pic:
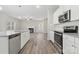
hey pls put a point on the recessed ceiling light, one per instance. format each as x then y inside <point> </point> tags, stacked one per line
<point>37,6</point>
<point>0,8</point>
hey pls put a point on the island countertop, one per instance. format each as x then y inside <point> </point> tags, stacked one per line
<point>5,34</point>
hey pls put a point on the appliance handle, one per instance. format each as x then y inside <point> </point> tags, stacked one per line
<point>58,34</point>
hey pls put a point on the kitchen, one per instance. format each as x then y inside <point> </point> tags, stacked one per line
<point>59,22</point>
<point>16,26</point>
<point>68,28</point>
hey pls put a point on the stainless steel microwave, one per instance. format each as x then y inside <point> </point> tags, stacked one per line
<point>65,17</point>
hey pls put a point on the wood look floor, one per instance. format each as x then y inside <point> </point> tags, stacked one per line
<point>38,44</point>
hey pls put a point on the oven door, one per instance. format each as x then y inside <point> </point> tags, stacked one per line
<point>58,38</point>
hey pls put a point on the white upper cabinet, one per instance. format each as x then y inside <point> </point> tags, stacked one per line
<point>74,12</point>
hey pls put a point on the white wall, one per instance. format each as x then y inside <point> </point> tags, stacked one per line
<point>3,18</point>
<point>28,24</point>
<point>38,25</point>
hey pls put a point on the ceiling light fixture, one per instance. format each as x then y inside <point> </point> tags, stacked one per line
<point>37,6</point>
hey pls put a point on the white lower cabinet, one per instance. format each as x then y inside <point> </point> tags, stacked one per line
<point>24,38</point>
<point>76,45</point>
<point>70,44</point>
<point>52,36</point>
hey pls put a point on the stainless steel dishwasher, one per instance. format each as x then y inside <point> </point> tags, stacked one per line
<point>14,43</point>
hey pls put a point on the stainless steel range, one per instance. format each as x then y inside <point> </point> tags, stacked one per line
<point>70,29</point>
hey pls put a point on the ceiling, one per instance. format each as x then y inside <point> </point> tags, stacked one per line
<point>25,11</point>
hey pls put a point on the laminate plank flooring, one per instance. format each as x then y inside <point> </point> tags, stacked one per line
<point>38,44</point>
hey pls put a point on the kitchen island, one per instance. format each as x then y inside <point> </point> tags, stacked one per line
<point>11,42</point>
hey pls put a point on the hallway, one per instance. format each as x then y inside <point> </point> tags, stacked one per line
<point>38,44</point>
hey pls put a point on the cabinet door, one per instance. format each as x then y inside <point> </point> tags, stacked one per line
<point>24,38</point>
<point>51,36</point>
<point>27,36</point>
<point>77,45</point>
<point>68,44</point>
<point>74,11</point>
